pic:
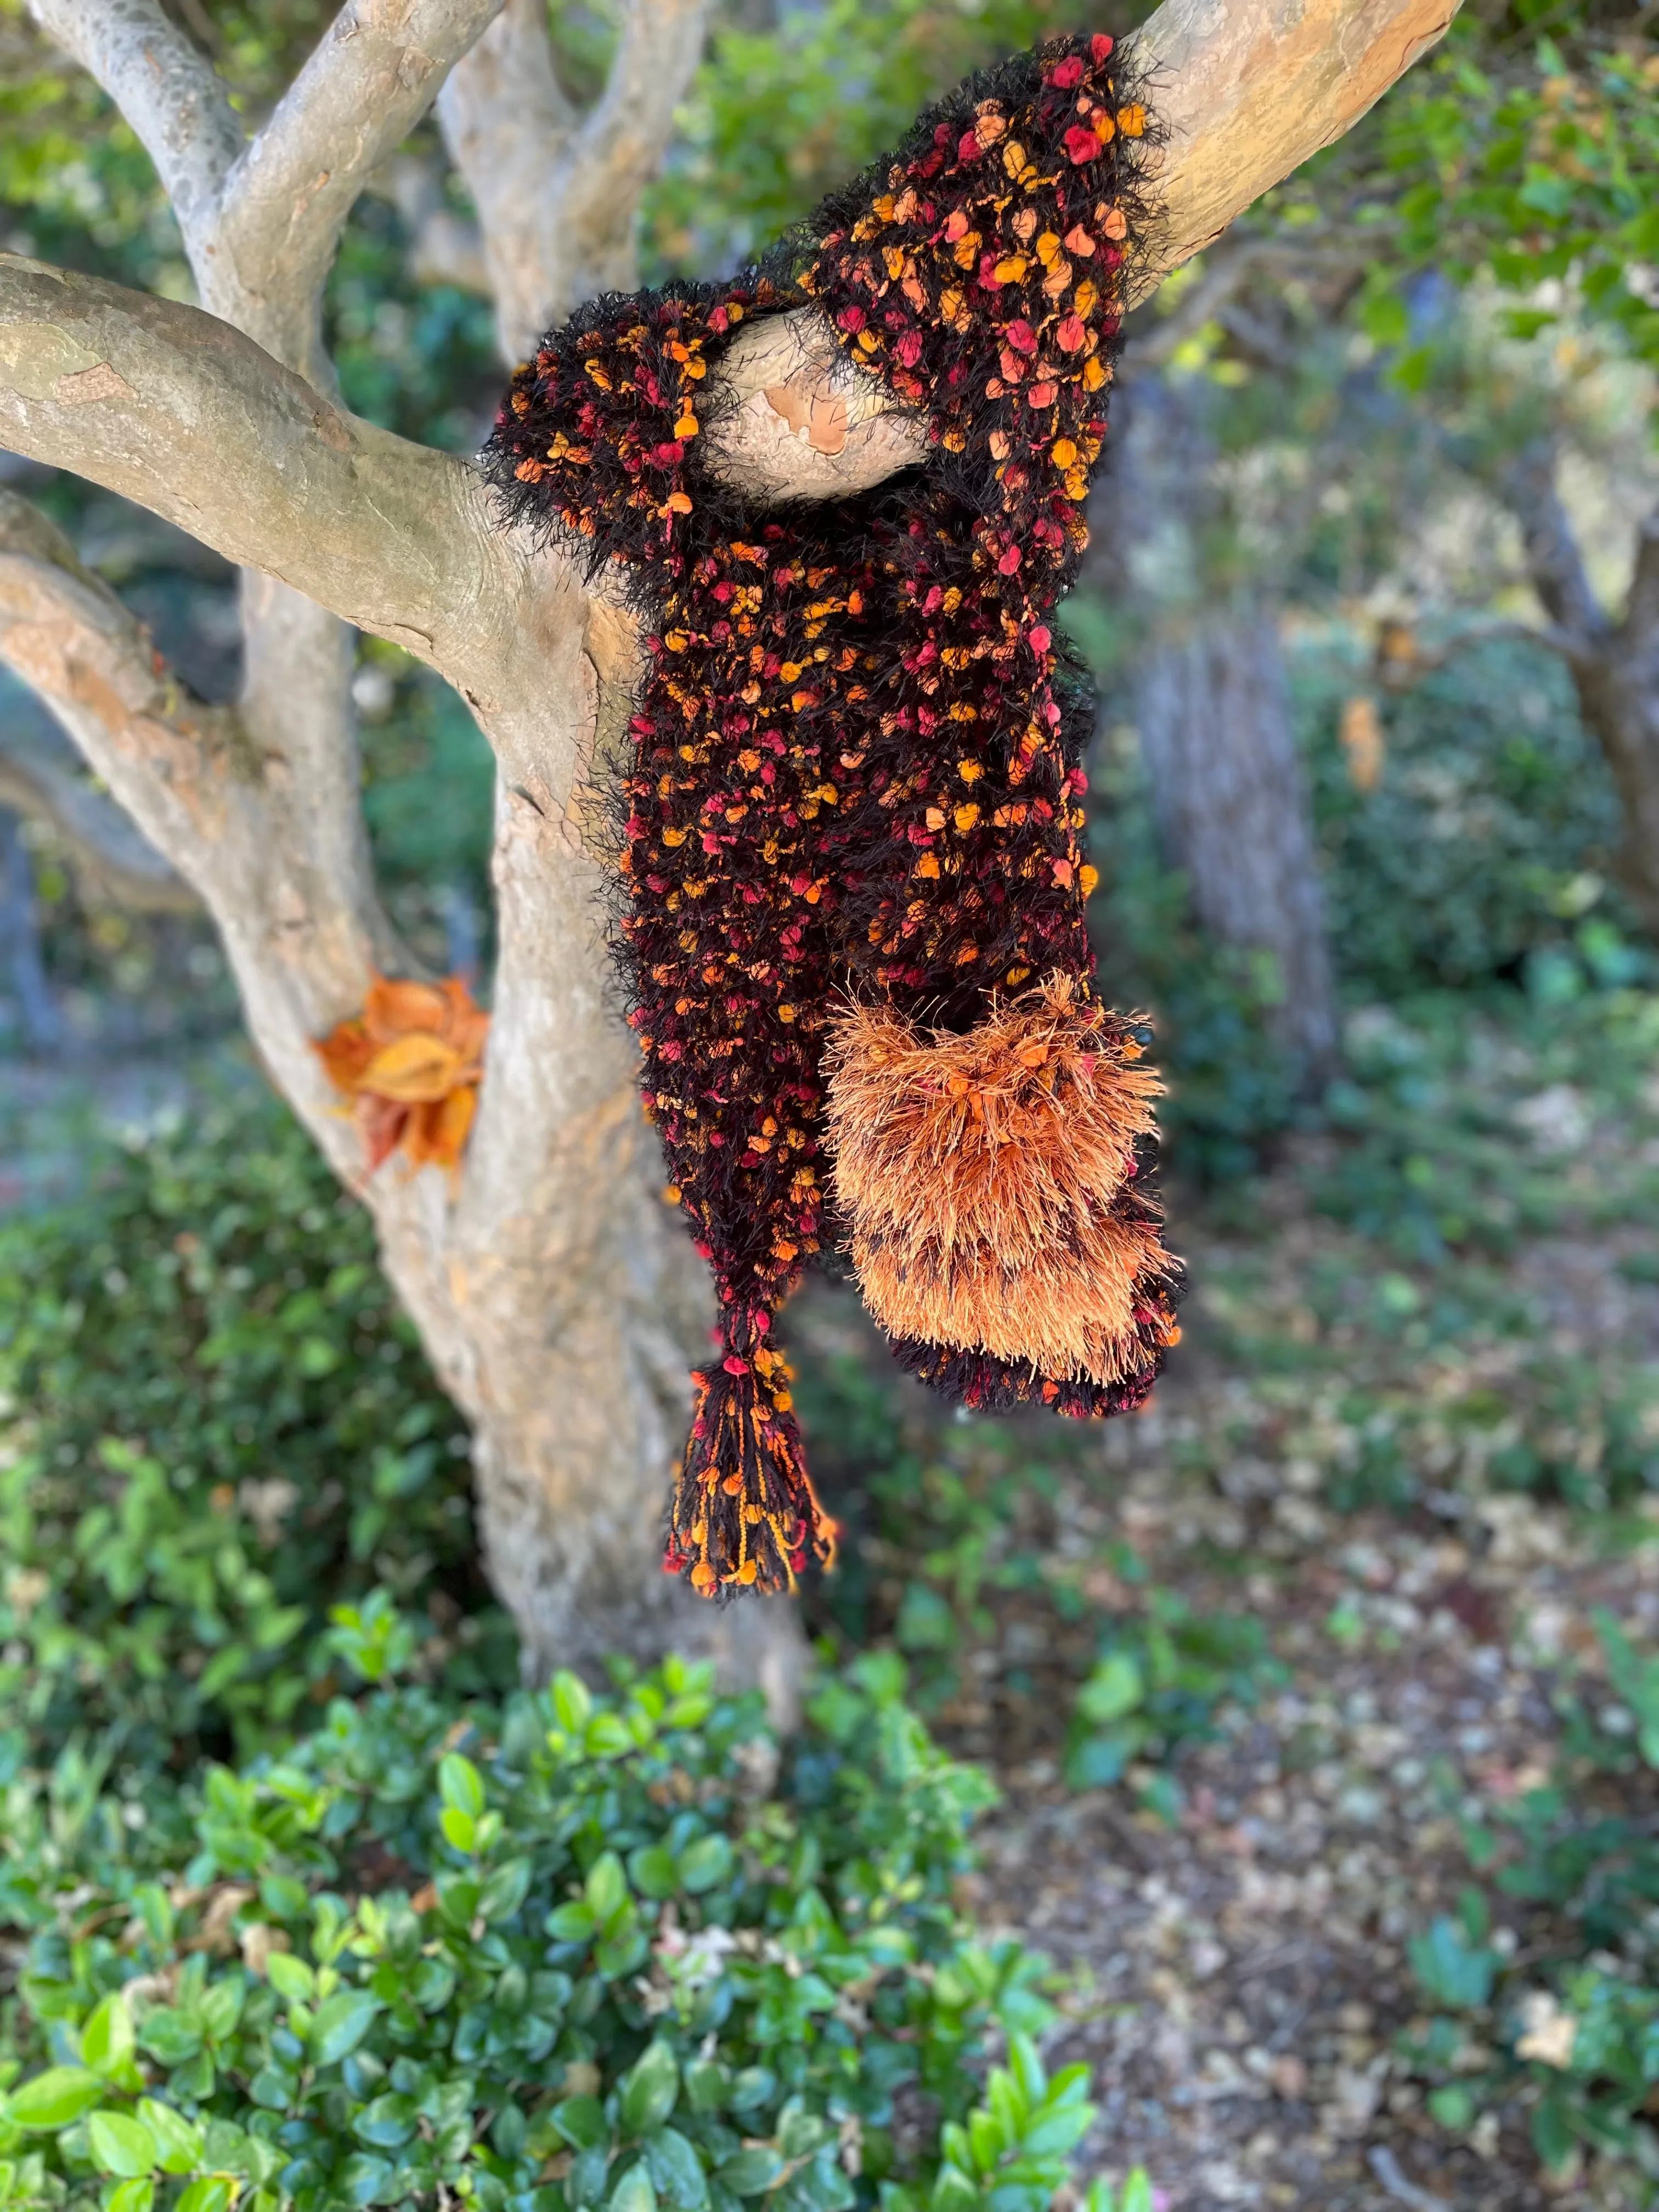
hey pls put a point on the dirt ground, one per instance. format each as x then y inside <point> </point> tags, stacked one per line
<point>1241,1978</point>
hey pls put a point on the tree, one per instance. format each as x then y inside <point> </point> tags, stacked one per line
<point>1525,157</point>
<point>547,1281</point>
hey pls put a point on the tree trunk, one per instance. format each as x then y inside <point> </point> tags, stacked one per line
<point>1615,662</point>
<point>1618,699</point>
<point>1232,812</point>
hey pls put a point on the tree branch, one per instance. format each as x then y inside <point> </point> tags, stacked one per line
<point>1244,91</point>
<point>115,863</point>
<point>620,146</point>
<point>508,125</point>
<point>1641,607</point>
<point>1555,565</point>
<point>181,413</point>
<point>165,89</point>
<point>168,758</point>
<point>368,81</point>
<point>556,194</point>
<point>1248,90</point>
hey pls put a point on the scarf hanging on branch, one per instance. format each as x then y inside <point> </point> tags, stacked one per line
<point>850,836</point>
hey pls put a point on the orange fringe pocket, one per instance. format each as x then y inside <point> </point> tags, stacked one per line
<point>988,1180</point>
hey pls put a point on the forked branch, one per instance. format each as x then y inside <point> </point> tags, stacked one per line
<point>557,194</point>
<point>113,862</point>
<point>372,76</point>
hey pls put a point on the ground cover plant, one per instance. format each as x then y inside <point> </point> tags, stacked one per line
<point>571,1951</point>
<point>217,1425</point>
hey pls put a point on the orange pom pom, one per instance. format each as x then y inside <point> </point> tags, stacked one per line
<point>984,1179</point>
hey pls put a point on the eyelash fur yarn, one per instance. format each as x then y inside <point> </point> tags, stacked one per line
<point>852,925</point>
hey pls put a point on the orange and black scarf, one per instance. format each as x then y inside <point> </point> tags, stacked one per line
<point>852,834</point>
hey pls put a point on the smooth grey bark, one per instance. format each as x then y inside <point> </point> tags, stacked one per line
<point>551,1288</point>
<point>1231,800</point>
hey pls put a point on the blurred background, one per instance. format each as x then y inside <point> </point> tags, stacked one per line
<point>1346,1636</point>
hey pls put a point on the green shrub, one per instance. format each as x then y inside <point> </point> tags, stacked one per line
<point>215,1425</point>
<point>1160,1678</point>
<point>574,1952</point>
<point>1489,835</point>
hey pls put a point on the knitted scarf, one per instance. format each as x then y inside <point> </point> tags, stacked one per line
<point>850,831</point>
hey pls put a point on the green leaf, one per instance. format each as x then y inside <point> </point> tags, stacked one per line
<point>708,2085</point>
<point>634,2192</point>
<point>55,2098</point>
<point>1453,2106</point>
<point>212,2193</point>
<point>177,2141</point>
<point>342,2022</point>
<point>606,1887</point>
<point>1114,1688</point>
<point>365,2179</point>
<point>460,1785</point>
<point>570,1923</point>
<point>573,1702</point>
<point>387,2123</point>
<point>1553,2135</point>
<point>750,2172</point>
<point>606,1736</point>
<point>505,1888</point>
<point>107,2040</point>
<point>120,2145</point>
<point>582,2122</point>
<point>704,1864</point>
<point>291,1978</point>
<point>460,1828</point>
<point>677,2171</point>
<point>222,2008</point>
<point>650,2090</point>
<point>652,1870</point>
<point>169,2036</point>
<point>130,2197</point>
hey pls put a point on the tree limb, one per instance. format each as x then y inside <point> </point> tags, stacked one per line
<point>114,862</point>
<point>369,80</point>
<point>1247,90</point>
<point>1555,565</point>
<point>557,194</point>
<point>1244,92</point>
<point>177,411</point>
<point>1641,608</point>
<point>168,758</point>
<point>165,89</point>
<point>620,146</point>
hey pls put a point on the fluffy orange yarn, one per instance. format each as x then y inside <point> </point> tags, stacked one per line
<point>986,1180</point>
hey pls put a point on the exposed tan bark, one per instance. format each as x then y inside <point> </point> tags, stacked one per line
<point>1246,90</point>
<point>551,1292</point>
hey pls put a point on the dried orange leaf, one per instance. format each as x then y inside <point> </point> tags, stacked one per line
<point>413,1069</point>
